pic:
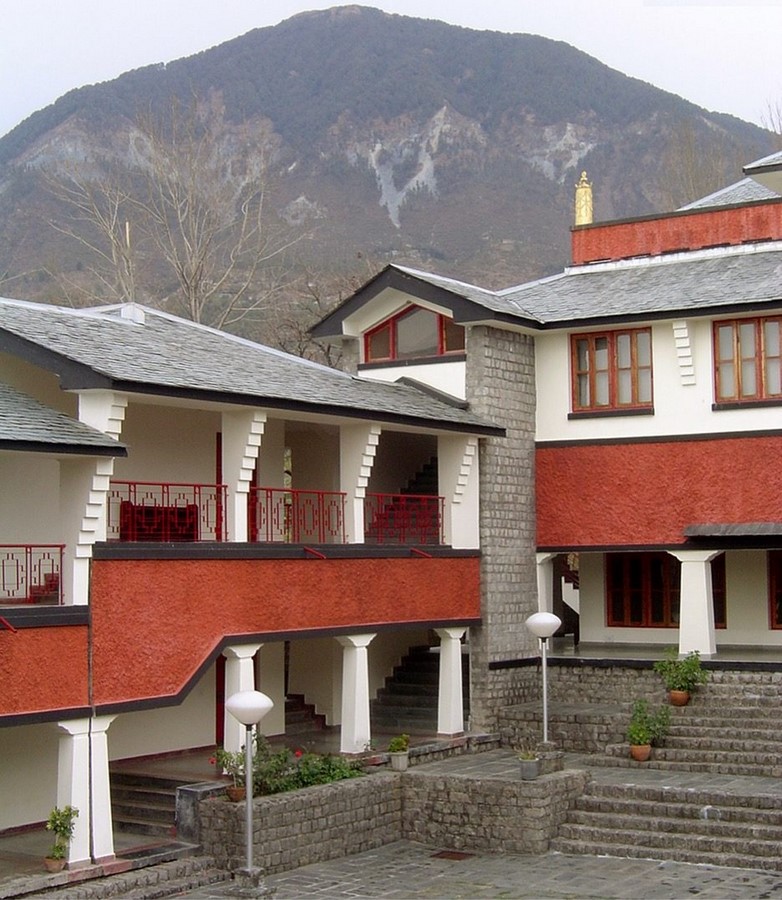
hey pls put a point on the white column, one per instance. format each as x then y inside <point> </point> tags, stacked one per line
<point>355,733</point>
<point>696,609</point>
<point>102,824</point>
<point>450,697</point>
<point>358,446</point>
<point>458,477</point>
<point>239,676</point>
<point>545,573</point>
<point>242,433</point>
<point>73,785</point>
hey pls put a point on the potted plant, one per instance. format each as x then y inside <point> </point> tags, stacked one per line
<point>61,821</point>
<point>529,762</point>
<point>398,750</point>
<point>232,763</point>
<point>681,675</point>
<point>646,728</point>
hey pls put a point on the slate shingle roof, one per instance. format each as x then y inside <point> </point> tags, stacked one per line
<point>658,286</point>
<point>24,422</point>
<point>655,286</point>
<point>745,191</point>
<point>171,355</point>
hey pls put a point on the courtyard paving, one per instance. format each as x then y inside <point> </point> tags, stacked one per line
<point>408,870</point>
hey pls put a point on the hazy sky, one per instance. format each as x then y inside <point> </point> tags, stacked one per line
<point>722,55</point>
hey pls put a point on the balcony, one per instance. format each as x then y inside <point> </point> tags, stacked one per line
<point>403,519</point>
<point>284,515</point>
<point>160,512</point>
<point>31,574</point>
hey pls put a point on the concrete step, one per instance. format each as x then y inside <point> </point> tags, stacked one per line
<point>132,808</point>
<point>685,823</point>
<point>755,731</point>
<point>671,852</point>
<point>660,843</point>
<point>650,809</point>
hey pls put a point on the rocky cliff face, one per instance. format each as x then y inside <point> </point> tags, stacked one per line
<point>384,136</point>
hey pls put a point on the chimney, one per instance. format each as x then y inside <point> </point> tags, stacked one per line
<point>583,201</point>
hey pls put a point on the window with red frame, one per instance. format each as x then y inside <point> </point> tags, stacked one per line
<point>612,370</point>
<point>775,588</point>
<point>643,590</point>
<point>748,359</point>
<point>414,333</point>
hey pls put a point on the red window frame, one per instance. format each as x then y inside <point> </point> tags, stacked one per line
<point>445,325</point>
<point>585,377</point>
<point>751,365</point>
<point>643,590</point>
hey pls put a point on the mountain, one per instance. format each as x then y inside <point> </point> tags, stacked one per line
<point>390,137</point>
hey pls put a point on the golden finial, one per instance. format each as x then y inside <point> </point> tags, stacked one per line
<point>584,201</point>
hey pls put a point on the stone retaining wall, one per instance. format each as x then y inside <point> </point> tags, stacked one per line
<point>336,820</point>
<point>306,826</point>
<point>489,815</point>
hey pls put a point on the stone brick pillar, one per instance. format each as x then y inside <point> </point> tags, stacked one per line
<point>501,387</point>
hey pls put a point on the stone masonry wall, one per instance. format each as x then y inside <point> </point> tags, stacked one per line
<point>306,826</point>
<point>336,820</point>
<point>501,388</point>
<point>488,815</point>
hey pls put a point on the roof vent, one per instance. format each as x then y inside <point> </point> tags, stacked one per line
<point>133,313</point>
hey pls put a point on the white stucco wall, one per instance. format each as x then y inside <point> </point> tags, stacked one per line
<point>168,444</point>
<point>448,377</point>
<point>679,407</point>
<point>191,724</point>
<point>28,775</point>
<point>29,499</point>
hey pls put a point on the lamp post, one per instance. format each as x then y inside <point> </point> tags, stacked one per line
<point>249,707</point>
<point>543,625</point>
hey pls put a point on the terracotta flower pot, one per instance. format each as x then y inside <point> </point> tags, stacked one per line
<point>53,865</point>
<point>235,794</point>
<point>640,752</point>
<point>679,698</point>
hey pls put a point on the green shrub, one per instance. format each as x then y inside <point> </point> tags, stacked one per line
<point>681,674</point>
<point>287,770</point>
<point>647,727</point>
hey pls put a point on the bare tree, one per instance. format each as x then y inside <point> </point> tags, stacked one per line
<point>98,221</point>
<point>771,120</point>
<point>696,164</point>
<point>316,294</point>
<point>194,189</point>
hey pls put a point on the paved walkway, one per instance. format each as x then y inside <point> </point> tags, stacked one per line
<point>407,870</point>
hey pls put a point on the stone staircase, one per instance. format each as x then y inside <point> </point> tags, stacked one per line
<point>300,716</point>
<point>722,732</point>
<point>682,824</point>
<point>144,804</point>
<point>408,702</point>
<point>707,795</point>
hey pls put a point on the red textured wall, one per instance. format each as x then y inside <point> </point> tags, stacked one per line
<point>43,669</point>
<point>626,494</point>
<point>156,621</point>
<point>689,231</point>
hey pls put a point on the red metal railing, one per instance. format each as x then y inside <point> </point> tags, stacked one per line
<point>403,519</point>
<point>152,511</point>
<point>284,515</point>
<point>30,573</point>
